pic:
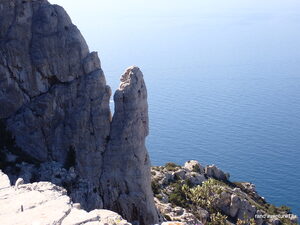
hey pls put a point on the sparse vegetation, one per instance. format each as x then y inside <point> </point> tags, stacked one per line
<point>246,222</point>
<point>205,195</point>
<point>178,196</point>
<point>155,187</point>
<point>196,168</point>
<point>156,168</point>
<point>180,191</point>
<point>217,219</point>
<point>285,208</point>
<point>171,166</point>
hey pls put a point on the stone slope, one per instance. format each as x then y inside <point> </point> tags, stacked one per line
<point>46,204</point>
<point>55,118</point>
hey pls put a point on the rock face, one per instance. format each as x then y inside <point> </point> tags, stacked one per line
<point>55,98</point>
<point>45,203</point>
<point>124,179</point>
<point>55,120</point>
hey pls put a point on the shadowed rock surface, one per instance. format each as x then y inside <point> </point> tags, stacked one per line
<point>55,120</point>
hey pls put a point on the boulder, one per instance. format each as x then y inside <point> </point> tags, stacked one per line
<point>180,214</point>
<point>168,177</point>
<point>246,210</point>
<point>215,172</point>
<point>179,174</point>
<point>4,181</point>
<point>193,165</point>
<point>235,204</point>
<point>196,178</point>
<point>223,202</point>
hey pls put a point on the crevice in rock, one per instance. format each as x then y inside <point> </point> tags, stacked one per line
<point>59,222</point>
<point>53,81</point>
<point>71,158</point>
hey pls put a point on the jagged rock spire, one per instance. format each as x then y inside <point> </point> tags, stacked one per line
<point>126,175</point>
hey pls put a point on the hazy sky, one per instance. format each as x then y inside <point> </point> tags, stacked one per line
<point>170,33</point>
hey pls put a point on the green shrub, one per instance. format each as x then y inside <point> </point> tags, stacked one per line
<point>217,219</point>
<point>155,187</point>
<point>178,197</point>
<point>285,209</point>
<point>196,168</point>
<point>287,221</point>
<point>171,166</point>
<point>206,195</point>
<point>156,168</point>
<point>159,196</point>
<point>272,210</point>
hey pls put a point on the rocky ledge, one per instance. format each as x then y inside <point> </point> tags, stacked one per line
<point>44,203</point>
<point>193,194</point>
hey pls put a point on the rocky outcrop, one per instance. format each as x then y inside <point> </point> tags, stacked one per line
<point>45,203</point>
<point>126,171</point>
<point>55,118</point>
<point>215,172</point>
<point>193,165</point>
<point>193,194</point>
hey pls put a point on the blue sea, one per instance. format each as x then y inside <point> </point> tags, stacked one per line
<point>223,81</point>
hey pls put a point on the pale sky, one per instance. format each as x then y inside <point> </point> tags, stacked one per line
<point>169,33</point>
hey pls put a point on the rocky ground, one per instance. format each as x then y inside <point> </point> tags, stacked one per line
<point>193,194</point>
<point>44,203</point>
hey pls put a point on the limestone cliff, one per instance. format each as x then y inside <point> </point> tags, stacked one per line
<point>55,120</point>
